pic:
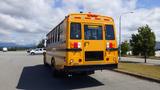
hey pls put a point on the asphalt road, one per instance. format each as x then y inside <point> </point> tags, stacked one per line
<point>141,60</point>
<point>22,71</point>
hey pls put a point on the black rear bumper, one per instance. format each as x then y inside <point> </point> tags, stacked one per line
<point>90,67</point>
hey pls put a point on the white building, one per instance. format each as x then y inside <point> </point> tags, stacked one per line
<point>129,53</point>
<point>157,53</point>
<point>5,49</point>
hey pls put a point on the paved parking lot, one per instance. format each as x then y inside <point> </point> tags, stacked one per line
<point>22,71</point>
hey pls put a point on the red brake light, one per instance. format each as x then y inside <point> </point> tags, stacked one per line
<point>107,59</point>
<point>80,60</point>
<point>75,44</point>
<point>110,45</point>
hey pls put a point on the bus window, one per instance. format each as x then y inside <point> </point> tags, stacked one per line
<point>51,37</point>
<point>58,33</point>
<point>55,35</point>
<point>75,31</point>
<point>93,32</point>
<point>109,34</point>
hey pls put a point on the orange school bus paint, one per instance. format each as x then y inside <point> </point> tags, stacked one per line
<point>82,42</point>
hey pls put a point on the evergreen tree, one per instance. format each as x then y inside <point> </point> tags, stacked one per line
<point>41,44</point>
<point>143,42</point>
<point>124,48</point>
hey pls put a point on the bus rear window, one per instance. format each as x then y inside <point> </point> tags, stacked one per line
<point>75,32</point>
<point>92,32</point>
<point>109,32</point>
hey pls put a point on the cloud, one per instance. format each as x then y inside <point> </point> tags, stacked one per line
<point>142,17</point>
<point>27,17</point>
<point>4,32</point>
<point>28,21</point>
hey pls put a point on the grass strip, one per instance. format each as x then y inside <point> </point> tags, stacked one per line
<point>152,71</point>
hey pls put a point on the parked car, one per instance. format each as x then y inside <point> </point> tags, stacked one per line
<point>37,51</point>
<point>28,50</point>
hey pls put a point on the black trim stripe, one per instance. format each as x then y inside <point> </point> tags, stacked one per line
<point>112,49</point>
<point>74,49</point>
<point>90,67</point>
<point>70,49</point>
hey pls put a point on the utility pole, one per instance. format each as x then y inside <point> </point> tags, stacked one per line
<point>120,34</point>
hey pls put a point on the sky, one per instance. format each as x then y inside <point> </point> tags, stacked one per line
<point>28,21</point>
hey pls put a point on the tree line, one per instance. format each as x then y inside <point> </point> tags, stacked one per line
<point>142,43</point>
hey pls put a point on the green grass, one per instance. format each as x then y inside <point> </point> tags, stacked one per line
<point>151,71</point>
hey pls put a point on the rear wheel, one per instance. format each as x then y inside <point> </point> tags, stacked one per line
<point>56,73</point>
<point>44,59</point>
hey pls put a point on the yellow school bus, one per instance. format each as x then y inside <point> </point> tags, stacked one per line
<point>82,42</point>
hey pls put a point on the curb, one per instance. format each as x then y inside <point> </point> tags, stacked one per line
<point>137,76</point>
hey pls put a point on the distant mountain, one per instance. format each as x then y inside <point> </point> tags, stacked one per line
<point>157,47</point>
<point>10,44</point>
<point>27,46</point>
<point>7,44</point>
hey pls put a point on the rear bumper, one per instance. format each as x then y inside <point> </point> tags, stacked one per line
<point>90,67</point>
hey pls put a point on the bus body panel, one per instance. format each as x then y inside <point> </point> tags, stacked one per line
<point>67,57</point>
<point>57,50</point>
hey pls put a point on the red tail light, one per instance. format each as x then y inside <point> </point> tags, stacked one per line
<point>75,44</point>
<point>107,59</point>
<point>110,45</point>
<point>80,60</point>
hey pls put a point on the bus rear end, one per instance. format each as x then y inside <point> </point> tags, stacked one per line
<point>91,43</point>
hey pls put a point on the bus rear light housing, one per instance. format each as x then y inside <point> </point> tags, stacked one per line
<point>80,60</point>
<point>75,45</point>
<point>71,61</point>
<point>109,45</point>
<point>107,59</point>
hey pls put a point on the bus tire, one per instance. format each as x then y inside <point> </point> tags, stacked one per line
<point>44,59</point>
<point>56,73</point>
